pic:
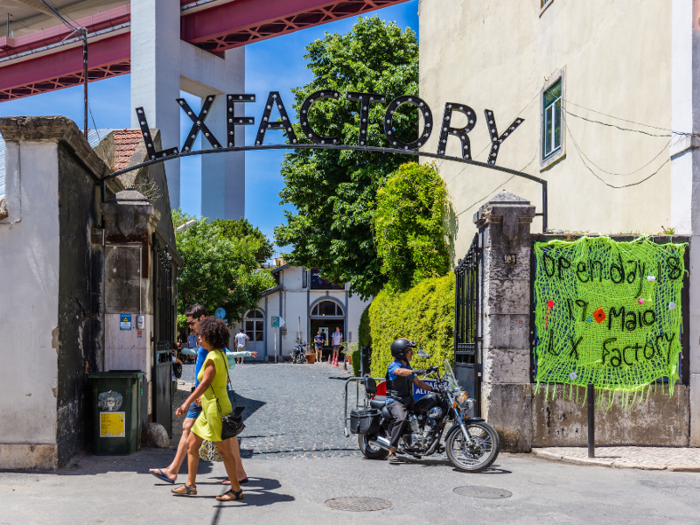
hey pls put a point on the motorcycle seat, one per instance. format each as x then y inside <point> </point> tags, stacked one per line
<point>378,402</point>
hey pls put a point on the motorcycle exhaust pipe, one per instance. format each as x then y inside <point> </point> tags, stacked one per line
<point>380,442</point>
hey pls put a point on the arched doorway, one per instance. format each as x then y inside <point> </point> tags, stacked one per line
<point>325,315</point>
<point>254,326</point>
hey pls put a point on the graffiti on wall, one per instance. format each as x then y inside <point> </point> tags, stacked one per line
<point>608,313</point>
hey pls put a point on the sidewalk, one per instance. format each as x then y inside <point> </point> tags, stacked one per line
<point>645,458</point>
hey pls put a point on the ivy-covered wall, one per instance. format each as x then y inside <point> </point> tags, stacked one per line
<point>425,314</point>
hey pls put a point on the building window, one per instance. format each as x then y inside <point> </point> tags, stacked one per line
<point>327,309</point>
<point>255,325</point>
<point>552,121</point>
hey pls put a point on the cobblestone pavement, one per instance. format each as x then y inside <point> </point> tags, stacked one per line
<point>646,458</point>
<point>291,410</point>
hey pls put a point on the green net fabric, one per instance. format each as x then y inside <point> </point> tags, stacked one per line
<point>608,313</point>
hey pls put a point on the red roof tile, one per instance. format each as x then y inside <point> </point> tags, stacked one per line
<point>125,143</point>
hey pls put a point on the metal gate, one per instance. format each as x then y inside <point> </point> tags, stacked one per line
<point>164,326</point>
<point>467,313</point>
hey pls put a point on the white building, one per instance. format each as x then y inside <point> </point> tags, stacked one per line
<point>308,304</point>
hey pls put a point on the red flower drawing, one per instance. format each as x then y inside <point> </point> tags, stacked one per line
<point>599,315</point>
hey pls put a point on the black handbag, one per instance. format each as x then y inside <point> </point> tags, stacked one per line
<point>232,424</point>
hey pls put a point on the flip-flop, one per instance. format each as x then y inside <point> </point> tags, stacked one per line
<point>163,477</point>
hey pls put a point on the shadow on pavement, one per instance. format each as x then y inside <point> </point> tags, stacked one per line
<point>257,493</point>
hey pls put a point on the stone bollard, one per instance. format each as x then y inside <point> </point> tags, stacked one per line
<point>506,390</point>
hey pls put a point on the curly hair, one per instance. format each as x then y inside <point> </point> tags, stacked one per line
<point>214,331</point>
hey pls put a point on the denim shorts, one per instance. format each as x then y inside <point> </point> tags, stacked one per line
<point>194,411</point>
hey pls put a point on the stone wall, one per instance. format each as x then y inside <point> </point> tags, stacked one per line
<point>523,418</point>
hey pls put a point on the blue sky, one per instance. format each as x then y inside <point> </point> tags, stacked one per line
<point>271,65</point>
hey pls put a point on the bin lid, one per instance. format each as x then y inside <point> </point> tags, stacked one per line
<point>117,374</point>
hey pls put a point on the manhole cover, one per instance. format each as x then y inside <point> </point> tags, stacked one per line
<point>473,491</point>
<point>358,504</point>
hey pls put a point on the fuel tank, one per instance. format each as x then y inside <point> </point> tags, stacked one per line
<point>425,403</point>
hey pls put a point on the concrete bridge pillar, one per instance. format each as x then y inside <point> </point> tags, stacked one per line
<point>162,65</point>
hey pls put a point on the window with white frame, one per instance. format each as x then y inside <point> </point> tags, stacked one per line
<point>552,121</point>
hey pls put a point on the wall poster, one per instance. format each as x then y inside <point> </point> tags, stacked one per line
<point>608,313</point>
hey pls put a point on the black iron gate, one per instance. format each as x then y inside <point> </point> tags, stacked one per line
<point>467,313</point>
<point>164,326</point>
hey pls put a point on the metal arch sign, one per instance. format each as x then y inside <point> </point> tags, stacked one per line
<point>284,124</point>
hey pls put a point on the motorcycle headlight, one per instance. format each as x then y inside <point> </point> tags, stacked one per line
<point>464,401</point>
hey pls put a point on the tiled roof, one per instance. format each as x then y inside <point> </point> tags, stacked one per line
<point>125,143</point>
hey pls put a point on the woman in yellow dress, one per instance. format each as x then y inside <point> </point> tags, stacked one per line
<point>215,404</point>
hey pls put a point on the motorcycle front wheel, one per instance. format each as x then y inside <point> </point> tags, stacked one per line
<point>478,456</point>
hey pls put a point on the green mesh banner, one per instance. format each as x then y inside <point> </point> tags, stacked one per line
<point>608,313</point>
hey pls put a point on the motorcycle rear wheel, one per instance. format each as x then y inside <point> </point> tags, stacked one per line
<point>370,451</point>
<point>478,457</point>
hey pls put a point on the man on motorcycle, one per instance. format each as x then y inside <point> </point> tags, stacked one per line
<point>400,378</point>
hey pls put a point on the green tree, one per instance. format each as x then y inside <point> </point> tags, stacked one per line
<point>218,271</point>
<point>242,229</point>
<point>409,224</point>
<point>334,191</point>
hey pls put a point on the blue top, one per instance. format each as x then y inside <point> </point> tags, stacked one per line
<point>391,374</point>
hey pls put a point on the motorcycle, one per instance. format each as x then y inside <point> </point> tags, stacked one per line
<point>472,445</point>
<point>298,354</point>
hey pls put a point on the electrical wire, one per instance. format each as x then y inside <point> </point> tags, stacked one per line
<point>581,155</point>
<point>93,123</point>
<point>627,120</point>
<point>496,189</point>
<point>625,129</point>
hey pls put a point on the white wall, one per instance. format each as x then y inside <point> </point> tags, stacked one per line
<point>499,54</point>
<point>29,266</point>
<point>293,305</point>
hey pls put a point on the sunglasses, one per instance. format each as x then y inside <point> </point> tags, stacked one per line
<point>190,323</point>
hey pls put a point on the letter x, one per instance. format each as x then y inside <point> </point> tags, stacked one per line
<point>199,124</point>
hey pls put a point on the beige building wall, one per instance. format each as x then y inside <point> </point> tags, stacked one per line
<point>616,60</point>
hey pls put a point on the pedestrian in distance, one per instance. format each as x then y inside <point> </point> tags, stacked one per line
<point>337,338</point>
<point>176,371</point>
<point>212,391</point>
<point>318,343</point>
<point>241,343</point>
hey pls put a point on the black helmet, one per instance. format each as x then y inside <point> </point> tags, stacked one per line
<point>399,347</point>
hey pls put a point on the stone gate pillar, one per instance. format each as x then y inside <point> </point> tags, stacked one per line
<point>506,391</point>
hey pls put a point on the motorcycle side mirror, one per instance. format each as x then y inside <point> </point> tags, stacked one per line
<point>422,353</point>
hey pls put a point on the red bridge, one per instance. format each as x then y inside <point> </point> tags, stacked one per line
<point>45,55</point>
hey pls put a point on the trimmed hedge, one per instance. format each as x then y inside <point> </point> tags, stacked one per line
<point>364,335</point>
<point>425,314</point>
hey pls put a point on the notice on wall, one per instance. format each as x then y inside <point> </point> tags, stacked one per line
<point>112,424</point>
<point>125,321</point>
<point>608,313</point>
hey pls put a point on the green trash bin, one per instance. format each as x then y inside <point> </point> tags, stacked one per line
<point>117,405</point>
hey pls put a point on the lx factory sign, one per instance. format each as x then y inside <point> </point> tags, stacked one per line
<point>365,100</point>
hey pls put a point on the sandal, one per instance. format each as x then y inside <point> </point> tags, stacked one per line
<point>234,496</point>
<point>184,490</point>
<point>163,477</point>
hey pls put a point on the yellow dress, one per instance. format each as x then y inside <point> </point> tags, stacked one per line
<point>208,424</point>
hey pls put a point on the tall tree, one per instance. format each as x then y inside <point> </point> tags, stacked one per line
<point>242,229</point>
<point>334,191</point>
<point>218,271</point>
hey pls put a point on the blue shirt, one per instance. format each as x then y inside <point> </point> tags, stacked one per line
<point>391,374</point>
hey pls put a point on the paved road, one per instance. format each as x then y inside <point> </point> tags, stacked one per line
<point>292,487</point>
<point>291,410</point>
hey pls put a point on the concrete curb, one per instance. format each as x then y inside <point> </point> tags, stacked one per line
<point>600,462</point>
